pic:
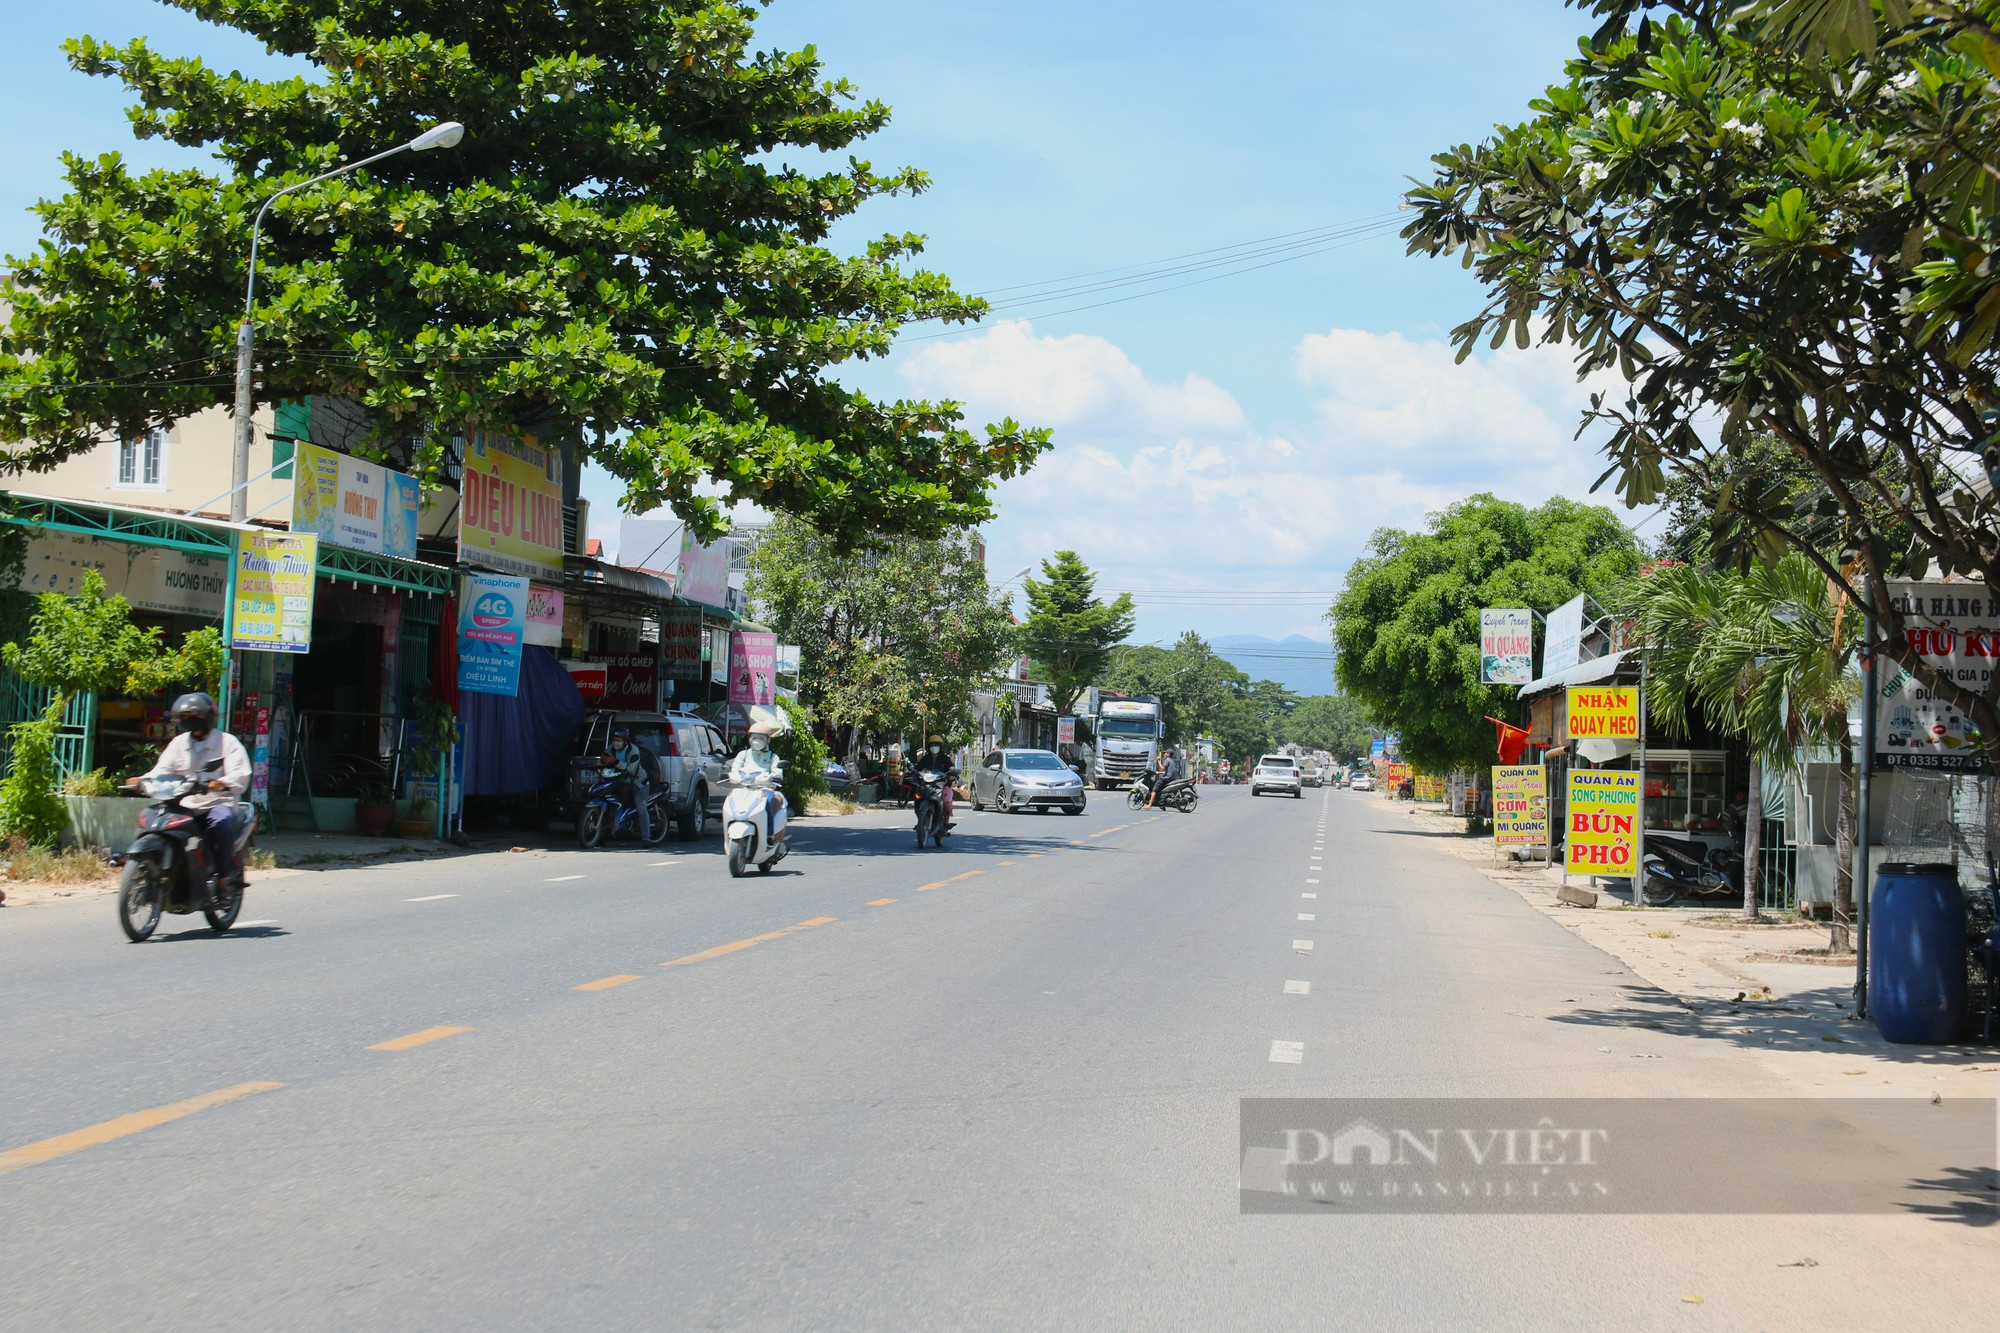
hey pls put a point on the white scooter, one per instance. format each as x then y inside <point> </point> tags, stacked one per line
<point>747,816</point>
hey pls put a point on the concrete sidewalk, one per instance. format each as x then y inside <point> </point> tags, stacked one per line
<point>1747,984</point>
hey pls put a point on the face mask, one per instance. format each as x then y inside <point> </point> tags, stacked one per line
<point>196,728</point>
<point>937,749</point>
<point>759,743</point>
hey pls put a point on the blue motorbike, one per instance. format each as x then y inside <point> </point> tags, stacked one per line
<point>605,815</point>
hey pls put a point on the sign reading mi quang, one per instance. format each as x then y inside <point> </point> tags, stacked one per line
<point>1604,712</point>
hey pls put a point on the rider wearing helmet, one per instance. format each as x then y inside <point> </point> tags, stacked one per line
<point>199,743</point>
<point>635,776</point>
<point>755,764</point>
<point>935,759</point>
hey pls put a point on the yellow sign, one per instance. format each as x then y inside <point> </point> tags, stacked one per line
<point>1520,805</point>
<point>1427,787</point>
<point>1604,712</point>
<point>274,591</point>
<point>1603,829</point>
<point>511,508</point>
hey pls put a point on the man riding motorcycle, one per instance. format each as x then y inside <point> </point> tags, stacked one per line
<point>188,755</point>
<point>635,778</point>
<point>935,760</point>
<point>758,763</point>
<point>1167,770</point>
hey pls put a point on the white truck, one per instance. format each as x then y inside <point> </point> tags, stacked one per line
<point>1129,731</point>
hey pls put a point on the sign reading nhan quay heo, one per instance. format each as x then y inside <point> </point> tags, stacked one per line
<point>274,591</point>
<point>492,621</point>
<point>1604,712</point>
<point>510,508</point>
<point>1603,834</point>
<point>1520,805</point>
<point>1506,646</point>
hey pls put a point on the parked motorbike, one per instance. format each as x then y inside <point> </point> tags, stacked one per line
<point>748,813</point>
<point>604,815</point>
<point>167,867</point>
<point>1679,867</point>
<point>929,786</point>
<point>1180,794</point>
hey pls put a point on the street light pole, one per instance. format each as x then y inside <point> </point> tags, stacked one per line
<point>445,135</point>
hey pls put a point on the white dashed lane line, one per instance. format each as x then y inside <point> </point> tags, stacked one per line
<point>1307,916</point>
<point>1298,988</point>
<point>561,878</point>
<point>1302,946</point>
<point>1288,1052</point>
<point>430,897</point>
<point>1309,895</point>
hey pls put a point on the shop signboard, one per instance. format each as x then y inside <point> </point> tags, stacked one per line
<point>1506,646</point>
<point>1426,787</point>
<point>1066,731</point>
<point>1394,776</point>
<point>492,620</point>
<point>1520,805</point>
<point>1378,749</point>
<point>149,578</point>
<point>703,573</point>
<point>1954,627</point>
<point>260,759</point>
<point>631,680</point>
<point>545,616</point>
<point>1603,827</point>
<point>352,502</point>
<point>680,643</point>
<point>1604,712</point>
<point>753,667</point>
<point>589,678</point>
<point>1562,645</point>
<point>511,508</point>
<point>718,656</point>
<point>274,591</point>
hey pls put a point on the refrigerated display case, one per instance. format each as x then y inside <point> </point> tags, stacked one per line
<point>1683,787</point>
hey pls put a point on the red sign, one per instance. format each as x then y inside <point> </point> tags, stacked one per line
<point>631,680</point>
<point>589,678</point>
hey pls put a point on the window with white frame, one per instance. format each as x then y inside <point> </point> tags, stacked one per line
<point>142,462</point>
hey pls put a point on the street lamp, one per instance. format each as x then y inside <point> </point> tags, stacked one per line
<point>445,135</point>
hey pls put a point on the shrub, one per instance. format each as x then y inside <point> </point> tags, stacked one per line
<point>804,756</point>
<point>30,809</point>
<point>96,782</point>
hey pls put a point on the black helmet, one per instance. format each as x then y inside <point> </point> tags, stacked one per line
<point>195,713</point>
<point>621,733</point>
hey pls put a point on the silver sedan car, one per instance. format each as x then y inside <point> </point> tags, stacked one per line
<point>1026,780</point>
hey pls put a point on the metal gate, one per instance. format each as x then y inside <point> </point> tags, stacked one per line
<point>23,701</point>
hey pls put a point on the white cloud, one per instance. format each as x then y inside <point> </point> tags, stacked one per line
<point>1173,486</point>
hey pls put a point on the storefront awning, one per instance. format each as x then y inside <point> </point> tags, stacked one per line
<point>384,571</point>
<point>1583,673</point>
<point>122,523</point>
<point>588,572</point>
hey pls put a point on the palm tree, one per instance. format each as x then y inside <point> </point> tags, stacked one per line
<point>1764,655</point>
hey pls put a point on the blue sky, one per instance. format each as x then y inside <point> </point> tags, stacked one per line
<point>1235,437</point>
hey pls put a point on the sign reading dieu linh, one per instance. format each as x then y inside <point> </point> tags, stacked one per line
<point>510,508</point>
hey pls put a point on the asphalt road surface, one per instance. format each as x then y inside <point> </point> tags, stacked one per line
<point>995,1085</point>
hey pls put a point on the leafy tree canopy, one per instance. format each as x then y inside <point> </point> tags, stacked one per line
<point>1070,631</point>
<point>1336,723</point>
<point>87,642</point>
<point>892,638</point>
<point>622,253</point>
<point>1406,625</point>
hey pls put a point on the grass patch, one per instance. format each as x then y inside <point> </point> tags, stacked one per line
<point>823,804</point>
<point>260,858</point>
<point>1662,934</point>
<point>68,865</point>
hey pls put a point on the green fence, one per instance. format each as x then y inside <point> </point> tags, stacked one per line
<point>20,701</point>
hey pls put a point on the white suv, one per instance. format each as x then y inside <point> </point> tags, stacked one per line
<point>1276,772</point>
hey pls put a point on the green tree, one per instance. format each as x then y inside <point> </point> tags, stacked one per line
<point>1335,723</point>
<point>1069,631</point>
<point>1767,656</point>
<point>894,637</point>
<point>626,253</point>
<point>1406,625</point>
<point>1773,244</point>
<point>30,809</point>
<point>83,643</point>
<point>803,755</point>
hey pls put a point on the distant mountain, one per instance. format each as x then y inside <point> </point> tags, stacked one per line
<point>1300,664</point>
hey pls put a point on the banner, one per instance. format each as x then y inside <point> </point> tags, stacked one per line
<point>149,578</point>
<point>1520,805</point>
<point>511,507</point>
<point>1604,712</point>
<point>703,573</point>
<point>753,667</point>
<point>1394,774</point>
<point>1954,627</point>
<point>680,642</point>
<point>274,591</point>
<point>1066,731</point>
<point>590,680</point>
<point>631,680</point>
<point>545,616</point>
<point>1603,835</point>
<point>351,502</point>
<point>1563,642</point>
<point>492,620</point>
<point>1506,647</point>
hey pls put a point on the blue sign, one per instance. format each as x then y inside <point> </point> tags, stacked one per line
<point>492,622</point>
<point>1377,748</point>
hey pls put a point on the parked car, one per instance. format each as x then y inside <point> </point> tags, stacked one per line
<point>1363,782</point>
<point>693,761</point>
<point>1276,772</point>
<point>1026,780</point>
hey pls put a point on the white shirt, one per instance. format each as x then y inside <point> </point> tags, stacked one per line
<point>187,757</point>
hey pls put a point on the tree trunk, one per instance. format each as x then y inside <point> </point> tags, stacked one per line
<point>1843,850</point>
<point>1753,833</point>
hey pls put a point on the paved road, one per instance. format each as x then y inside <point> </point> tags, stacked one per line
<point>995,1085</point>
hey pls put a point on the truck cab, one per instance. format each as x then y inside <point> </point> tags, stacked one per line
<point>1129,732</point>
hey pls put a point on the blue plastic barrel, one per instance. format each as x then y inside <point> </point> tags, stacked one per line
<point>1916,953</point>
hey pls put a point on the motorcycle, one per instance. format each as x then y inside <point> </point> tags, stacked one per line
<point>929,785</point>
<point>604,816</point>
<point>167,867</point>
<point>1180,794</point>
<point>747,814</point>
<point>1676,866</point>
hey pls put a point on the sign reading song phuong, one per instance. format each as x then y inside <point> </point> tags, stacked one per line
<point>1603,830</point>
<point>1954,627</point>
<point>510,508</point>
<point>1604,712</point>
